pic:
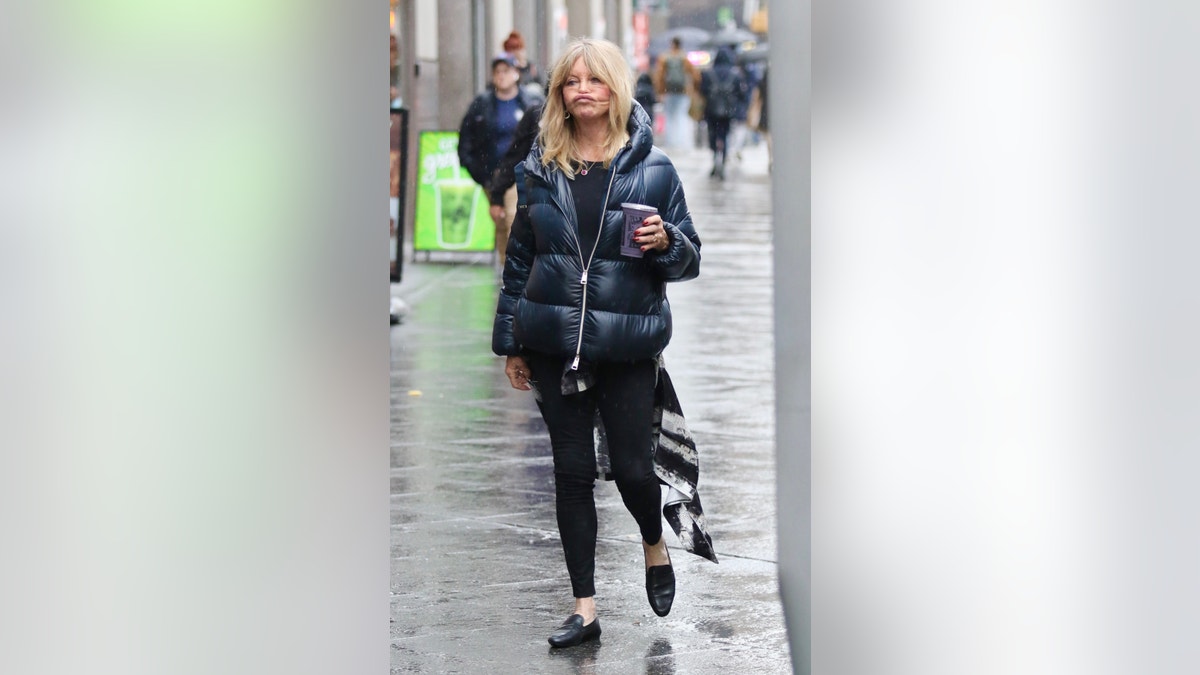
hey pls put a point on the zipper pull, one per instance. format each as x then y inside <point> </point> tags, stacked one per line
<point>583,279</point>
<point>575,363</point>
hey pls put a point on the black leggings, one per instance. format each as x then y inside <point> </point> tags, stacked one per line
<point>624,395</point>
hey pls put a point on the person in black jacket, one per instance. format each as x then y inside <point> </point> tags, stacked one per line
<point>488,128</point>
<point>643,93</point>
<point>502,189</point>
<point>725,94</point>
<point>582,323</point>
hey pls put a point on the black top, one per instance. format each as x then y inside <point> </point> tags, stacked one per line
<point>588,192</point>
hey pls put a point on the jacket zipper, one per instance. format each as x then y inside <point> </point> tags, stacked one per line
<point>583,279</point>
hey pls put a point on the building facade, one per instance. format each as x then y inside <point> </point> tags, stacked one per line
<point>444,47</point>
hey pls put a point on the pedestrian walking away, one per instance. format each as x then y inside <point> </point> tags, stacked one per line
<point>675,81</point>
<point>724,90</point>
<point>488,128</point>
<point>583,318</point>
<point>741,131</point>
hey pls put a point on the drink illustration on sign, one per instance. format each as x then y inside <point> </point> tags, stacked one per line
<point>457,199</point>
<point>451,209</point>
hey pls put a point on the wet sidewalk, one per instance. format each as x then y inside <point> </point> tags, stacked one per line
<point>478,579</point>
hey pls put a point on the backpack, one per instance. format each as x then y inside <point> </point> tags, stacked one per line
<point>722,95</point>
<point>675,77</point>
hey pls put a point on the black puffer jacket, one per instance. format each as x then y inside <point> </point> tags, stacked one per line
<point>621,313</point>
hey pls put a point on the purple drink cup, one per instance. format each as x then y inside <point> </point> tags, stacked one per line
<point>634,215</point>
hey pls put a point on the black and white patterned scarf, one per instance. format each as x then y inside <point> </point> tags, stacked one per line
<point>677,465</point>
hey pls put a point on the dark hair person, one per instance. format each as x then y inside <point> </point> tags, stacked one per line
<point>725,93</point>
<point>583,325</point>
<point>487,131</point>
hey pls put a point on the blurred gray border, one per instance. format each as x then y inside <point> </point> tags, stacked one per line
<point>790,100</point>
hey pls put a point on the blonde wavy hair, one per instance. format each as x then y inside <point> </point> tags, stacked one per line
<point>556,136</point>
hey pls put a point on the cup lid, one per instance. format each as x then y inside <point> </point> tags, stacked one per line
<point>639,207</point>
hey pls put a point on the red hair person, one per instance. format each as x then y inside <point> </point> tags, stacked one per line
<point>515,44</point>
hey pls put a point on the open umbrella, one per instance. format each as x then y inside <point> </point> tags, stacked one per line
<point>730,37</point>
<point>690,38</point>
<point>758,52</point>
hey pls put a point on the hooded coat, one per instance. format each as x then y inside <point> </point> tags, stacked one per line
<point>618,310</point>
<point>724,69</point>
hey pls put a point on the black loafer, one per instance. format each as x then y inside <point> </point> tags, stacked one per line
<point>660,588</point>
<point>573,632</point>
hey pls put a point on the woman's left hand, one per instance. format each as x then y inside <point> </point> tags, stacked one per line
<point>652,236</point>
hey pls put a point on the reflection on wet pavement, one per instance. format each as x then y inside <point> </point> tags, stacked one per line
<point>660,658</point>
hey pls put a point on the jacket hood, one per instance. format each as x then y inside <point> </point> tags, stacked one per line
<point>641,141</point>
<point>724,57</point>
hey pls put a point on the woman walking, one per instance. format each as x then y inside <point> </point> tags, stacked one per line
<point>582,324</point>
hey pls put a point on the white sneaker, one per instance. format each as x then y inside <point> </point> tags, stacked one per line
<point>399,308</point>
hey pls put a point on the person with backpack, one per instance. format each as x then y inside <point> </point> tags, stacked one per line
<point>675,80</point>
<point>725,93</point>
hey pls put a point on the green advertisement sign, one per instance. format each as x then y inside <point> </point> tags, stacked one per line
<point>451,209</point>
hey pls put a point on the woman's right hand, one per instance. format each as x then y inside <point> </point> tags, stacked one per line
<point>518,372</point>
